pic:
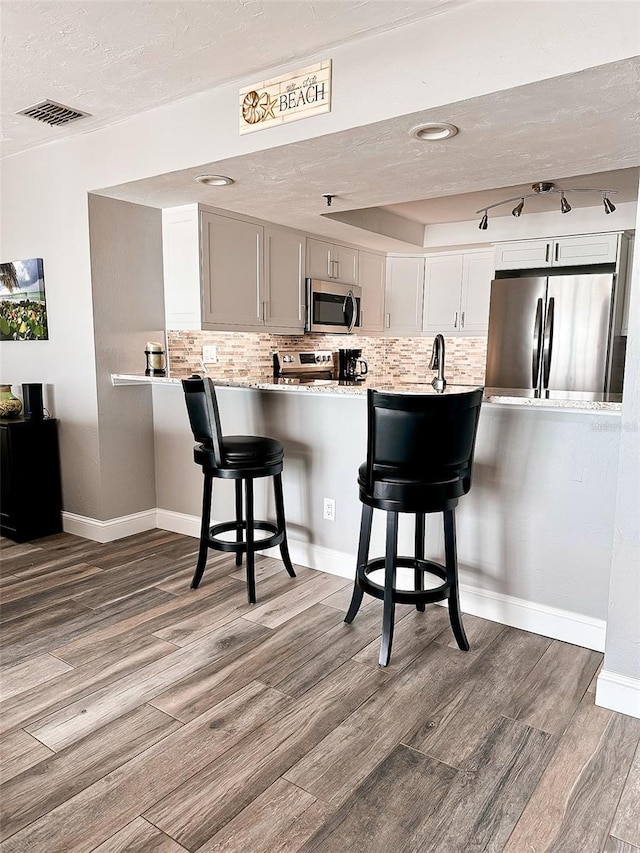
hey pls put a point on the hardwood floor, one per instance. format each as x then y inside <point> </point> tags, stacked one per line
<point>140,715</point>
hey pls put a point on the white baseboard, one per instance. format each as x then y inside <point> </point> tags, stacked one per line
<point>178,522</point>
<point>618,693</point>
<point>108,531</point>
<point>507,610</point>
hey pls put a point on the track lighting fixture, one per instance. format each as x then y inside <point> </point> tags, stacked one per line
<point>545,188</point>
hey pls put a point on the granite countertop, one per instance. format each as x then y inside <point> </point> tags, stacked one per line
<point>610,403</point>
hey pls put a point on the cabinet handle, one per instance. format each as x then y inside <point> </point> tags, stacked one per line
<point>329,262</point>
<point>557,250</point>
<point>337,272</point>
<point>388,324</point>
<point>546,254</point>
<point>264,312</point>
<point>455,321</point>
<point>462,320</point>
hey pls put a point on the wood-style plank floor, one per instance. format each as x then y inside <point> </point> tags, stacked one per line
<point>140,715</point>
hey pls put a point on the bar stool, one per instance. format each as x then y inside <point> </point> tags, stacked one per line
<point>419,458</point>
<point>242,458</point>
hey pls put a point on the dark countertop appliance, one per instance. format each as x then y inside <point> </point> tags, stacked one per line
<point>351,366</point>
<point>551,333</point>
<point>332,307</point>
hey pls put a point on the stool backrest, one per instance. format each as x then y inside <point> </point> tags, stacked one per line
<point>427,437</point>
<point>202,407</point>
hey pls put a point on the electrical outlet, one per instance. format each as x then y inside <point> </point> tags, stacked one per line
<point>210,354</point>
<point>329,513</point>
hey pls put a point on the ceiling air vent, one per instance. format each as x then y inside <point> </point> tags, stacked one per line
<point>52,113</point>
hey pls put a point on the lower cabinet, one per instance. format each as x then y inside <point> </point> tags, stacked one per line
<point>457,290</point>
<point>30,494</point>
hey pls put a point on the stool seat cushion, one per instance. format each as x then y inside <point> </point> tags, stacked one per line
<point>408,489</point>
<point>239,451</point>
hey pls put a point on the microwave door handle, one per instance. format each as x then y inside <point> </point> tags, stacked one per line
<point>548,344</point>
<point>354,313</point>
<point>537,346</point>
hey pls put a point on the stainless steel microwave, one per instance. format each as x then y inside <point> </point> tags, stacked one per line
<point>332,307</point>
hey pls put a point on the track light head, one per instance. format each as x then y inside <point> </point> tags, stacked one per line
<point>484,222</point>
<point>609,206</point>
<point>565,207</point>
<point>517,210</point>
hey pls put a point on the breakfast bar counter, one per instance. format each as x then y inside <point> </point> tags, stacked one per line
<point>609,403</point>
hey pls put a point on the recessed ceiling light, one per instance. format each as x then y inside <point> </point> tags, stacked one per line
<point>434,130</point>
<point>215,180</point>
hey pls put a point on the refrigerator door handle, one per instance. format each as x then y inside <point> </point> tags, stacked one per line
<point>537,346</point>
<point>548,344</point>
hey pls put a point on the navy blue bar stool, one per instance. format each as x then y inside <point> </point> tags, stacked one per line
<point>419,459</point>
<point>242,458</point>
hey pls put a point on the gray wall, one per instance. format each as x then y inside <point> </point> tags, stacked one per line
<point>128,302</point>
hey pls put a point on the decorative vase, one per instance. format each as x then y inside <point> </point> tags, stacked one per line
<point>10,405</point>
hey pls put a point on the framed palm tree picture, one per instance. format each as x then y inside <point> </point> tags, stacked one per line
<point>23,307</point>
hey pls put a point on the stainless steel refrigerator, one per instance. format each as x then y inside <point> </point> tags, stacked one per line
<point>551,334</point>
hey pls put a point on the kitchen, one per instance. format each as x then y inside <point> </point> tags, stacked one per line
<point>106,305</point>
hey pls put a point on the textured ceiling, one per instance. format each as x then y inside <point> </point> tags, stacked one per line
<point>118,58</point>
<point>507,140</point>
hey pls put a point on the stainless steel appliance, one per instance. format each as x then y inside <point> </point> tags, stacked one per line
<point>297,368</point>
<point>332,307</point>
<point>351,366</point>
<point>551,333</point>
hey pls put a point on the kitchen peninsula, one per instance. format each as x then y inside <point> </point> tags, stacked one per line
<point>535,531</point>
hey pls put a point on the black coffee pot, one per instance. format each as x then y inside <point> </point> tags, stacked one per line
<point>351,366</point>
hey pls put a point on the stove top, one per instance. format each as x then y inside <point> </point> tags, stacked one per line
<point>305,366</point>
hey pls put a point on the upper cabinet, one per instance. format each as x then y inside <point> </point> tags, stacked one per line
<point>371,278</point>
<point>227,272</point>
<point>181,267</point>
<point>404,288</point>
<point>326,261</point>
<point>561,251</point>
<point>232,272</point>
<point>457,290</point>
<point>284,260</point>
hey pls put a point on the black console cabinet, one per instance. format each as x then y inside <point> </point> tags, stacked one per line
<point>30,495</point>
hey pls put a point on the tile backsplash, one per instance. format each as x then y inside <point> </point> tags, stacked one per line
<point>244,355</point>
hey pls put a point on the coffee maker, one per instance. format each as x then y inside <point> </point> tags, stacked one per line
<point>351,366</point>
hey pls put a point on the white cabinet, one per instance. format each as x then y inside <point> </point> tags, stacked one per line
<point>456,295</point>
<point>371,278</point>
<point>327,261</point>
<point>181,267</point>
<point>403,291</point>
<point>284,255</point>
<point>561,251</point>
<point>232,272</point>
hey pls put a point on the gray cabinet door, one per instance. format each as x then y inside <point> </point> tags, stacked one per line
<point>319,259</point>
<point>405,283</point>
<point>477,272</point>
<point>284,279</point>
<point>232,265</point>
<point>371,277</point>
<point>345,264</point>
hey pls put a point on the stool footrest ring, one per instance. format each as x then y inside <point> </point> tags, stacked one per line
<point>405,596</point>
<point>277,536</point>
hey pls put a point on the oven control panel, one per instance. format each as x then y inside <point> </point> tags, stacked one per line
<point>308,363</point>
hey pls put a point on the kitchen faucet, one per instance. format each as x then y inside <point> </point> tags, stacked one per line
<point>437,363</point>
